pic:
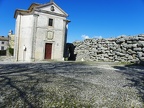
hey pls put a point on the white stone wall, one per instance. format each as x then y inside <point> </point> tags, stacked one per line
<point>24,33</point>
<point>32,33</point>
<point>40,46</point>
<point>58,45</point>
<point>17,31</point>
<point>58,30</point>
<point>5,45</point>
<point>48,8</point>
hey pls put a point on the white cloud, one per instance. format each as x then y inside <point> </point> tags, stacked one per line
<point>85,36</point>
<point>98,37</point>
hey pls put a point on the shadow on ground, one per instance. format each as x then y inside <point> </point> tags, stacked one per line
<point>67,85</point>
<point>135,74</point>
<point>38,85</point>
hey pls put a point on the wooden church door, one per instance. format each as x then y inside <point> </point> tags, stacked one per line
<point>48,50</point>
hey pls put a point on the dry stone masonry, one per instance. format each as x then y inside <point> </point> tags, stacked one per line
<point>121,49</point>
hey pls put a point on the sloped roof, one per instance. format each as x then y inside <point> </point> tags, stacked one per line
<point>53,3</point>
<point>2,38</point>
<point>33,5</point>
<point>30,9</point>
<point>36,5</point>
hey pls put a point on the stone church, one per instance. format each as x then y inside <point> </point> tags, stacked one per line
<point>41,32</point>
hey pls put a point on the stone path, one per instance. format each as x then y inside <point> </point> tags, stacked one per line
<point>71,85</point>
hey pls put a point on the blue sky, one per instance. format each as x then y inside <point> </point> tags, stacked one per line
<point>89,18</point>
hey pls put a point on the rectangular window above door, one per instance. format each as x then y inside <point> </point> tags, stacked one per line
<point>50,22</point>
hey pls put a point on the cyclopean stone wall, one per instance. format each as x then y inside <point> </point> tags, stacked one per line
<point>122,49</point>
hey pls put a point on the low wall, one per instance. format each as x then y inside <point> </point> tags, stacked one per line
<point>6,58</point>
<point>121,49</point>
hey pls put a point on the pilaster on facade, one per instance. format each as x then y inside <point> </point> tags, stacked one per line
<point>34,36</point>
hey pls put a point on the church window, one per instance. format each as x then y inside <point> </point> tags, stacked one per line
<point>2,47</point>
<point>2,43</point>
<point>52,8</point>
<point>50,22</point>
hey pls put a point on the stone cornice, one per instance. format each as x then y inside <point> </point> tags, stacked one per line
<point>26,12</point>
<point>52,3</point>
<point>67,21</point>
<point>52,13</point>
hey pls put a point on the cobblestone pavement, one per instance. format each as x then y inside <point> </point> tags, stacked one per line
<point>71,85</point>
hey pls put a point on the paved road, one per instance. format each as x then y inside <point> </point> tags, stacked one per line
<point>71,85</point>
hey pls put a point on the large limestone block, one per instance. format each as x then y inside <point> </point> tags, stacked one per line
<point>134,60</point>
<point>130,51</point>
<point>119,54</point>
<point>129,46</point>
<point>140,54</point>
<point>141,38</point>
<point>141,58</point>
<point>141,35</point>
<point>140,44</point>
<point>121,40</point>
<point>129,42</point>
<point>130,57</point>
<point>143,49</point>
<point>126,38</point>
<point>118,50</point>
<point>133,38</point>
<point>134,45</point>
<point>137,49</point>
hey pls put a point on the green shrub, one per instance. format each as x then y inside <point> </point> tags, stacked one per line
<point>11,51</point>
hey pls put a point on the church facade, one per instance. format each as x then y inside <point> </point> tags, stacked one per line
<point>40,33</point>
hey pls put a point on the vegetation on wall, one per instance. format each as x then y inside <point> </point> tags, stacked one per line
<point>11,51</point>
